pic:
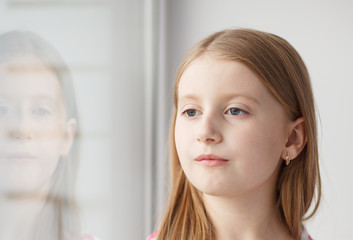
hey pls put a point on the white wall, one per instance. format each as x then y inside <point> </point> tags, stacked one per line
<point>322,32</point>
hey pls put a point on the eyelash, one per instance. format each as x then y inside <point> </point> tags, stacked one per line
<point>41,111</point>
<point>238,110</point>
<point>187,110</point>
<point>228,112</point>
<point>37,111</point>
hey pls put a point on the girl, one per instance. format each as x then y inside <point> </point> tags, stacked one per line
<point>38,151</point>
<point>244,154</point>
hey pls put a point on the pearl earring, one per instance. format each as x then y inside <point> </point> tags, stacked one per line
<point>287,159</point>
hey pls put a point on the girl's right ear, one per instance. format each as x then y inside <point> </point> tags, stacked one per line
<point>69,136</point>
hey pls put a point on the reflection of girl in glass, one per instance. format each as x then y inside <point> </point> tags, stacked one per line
<point>244,152</point>
<point>38,151</point>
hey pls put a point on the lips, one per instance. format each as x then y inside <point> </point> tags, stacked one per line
<point>20,156</point>
<point>211,160</point>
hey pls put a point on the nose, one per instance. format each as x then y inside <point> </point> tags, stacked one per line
<point>20,129</point>
<point>20,134</point>
<point>209,130</point>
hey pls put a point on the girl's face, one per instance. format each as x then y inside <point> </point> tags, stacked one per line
<point>229,131</point>
<point>33,130</point>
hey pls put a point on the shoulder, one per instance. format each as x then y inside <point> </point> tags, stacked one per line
<point>88,237</point>
<point>74,236</point>
<point>153,236</point>
<point>305,235</point>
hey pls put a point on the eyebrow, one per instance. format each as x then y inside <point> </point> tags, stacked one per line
<point>226,97</point>
<point>44,97</point>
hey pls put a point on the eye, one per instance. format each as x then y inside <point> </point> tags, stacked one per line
<point>235,111</point>
<point>41,112</point>
<point>191,112</point>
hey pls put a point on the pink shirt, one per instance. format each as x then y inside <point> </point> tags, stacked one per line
<point>88,237</point>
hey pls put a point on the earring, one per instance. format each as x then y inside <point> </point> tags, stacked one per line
<point>287,159</point>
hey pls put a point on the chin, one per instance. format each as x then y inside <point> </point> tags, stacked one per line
<point>25,187</point>
<point>212,190</point>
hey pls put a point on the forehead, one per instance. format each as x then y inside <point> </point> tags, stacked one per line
<point>27,77</point>
<point>215,77</point>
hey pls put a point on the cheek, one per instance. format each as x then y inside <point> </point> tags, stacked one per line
<point>46,139</point>
<point>49,133</point>
<point>42,138</point>
<point>183,141</point>
<point>260,143</point>
<point>179,137</point>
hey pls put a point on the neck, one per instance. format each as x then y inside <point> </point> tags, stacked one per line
<point>248,216</point>
<point>18,215</point>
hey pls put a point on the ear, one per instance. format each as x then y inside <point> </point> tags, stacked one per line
<point>296,139</point>
<point>70,131</point>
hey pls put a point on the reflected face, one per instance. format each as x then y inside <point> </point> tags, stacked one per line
<point>32,125</point>
<point>230,131</point>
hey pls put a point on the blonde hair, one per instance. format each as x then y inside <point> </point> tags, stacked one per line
<point>283,72</point>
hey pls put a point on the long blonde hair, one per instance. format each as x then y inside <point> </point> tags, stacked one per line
<point>283,72</point>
